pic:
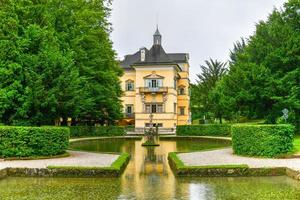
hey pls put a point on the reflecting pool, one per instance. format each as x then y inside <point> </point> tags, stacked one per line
<point>148,176</point>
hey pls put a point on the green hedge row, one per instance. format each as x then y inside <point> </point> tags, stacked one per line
<point>83,131</point>
<point>33,141</point>
<point>204,130</point>
<point>262,140</point>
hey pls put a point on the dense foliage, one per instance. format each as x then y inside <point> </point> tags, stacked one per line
<point>33,141</point>
<point>262,140</point>
<point>84,131</point>
<point>204,130</point>
<point>211,73</point>
<point>57,61</point>
<point>264,71</point>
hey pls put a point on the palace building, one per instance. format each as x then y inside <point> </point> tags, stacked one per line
<point>157,83</point>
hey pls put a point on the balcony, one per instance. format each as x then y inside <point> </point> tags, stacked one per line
<point>153,89</point>
<point>129,115</point>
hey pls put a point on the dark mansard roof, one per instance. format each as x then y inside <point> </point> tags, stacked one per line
<point>155,56</point>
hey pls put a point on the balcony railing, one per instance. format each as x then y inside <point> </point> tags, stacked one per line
<point>129,115</point>
<point>153,89</point>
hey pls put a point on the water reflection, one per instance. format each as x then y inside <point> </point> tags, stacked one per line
<point>148,176</point>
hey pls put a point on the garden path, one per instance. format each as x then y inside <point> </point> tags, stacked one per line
<point>226,157</point>
<point>76,158</point>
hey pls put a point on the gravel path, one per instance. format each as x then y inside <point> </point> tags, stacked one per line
<point>226,157</point>
<point>76,158</point>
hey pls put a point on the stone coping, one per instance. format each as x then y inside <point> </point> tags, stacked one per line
<point>222,162</point>
<point>108,137</point>
<point>203,137</point>
<point>78,164</point>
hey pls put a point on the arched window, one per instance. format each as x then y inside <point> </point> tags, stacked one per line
<point>181,91</point>
<point>129,86</point>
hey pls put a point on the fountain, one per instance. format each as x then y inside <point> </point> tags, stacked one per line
<point>151,134</point>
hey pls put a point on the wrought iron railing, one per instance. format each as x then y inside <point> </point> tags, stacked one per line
<point>129,115</point>
<point>153,89</point>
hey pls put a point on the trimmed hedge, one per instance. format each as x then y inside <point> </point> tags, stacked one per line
<point>204,130</point>
<point>262,140</point>
<point>18,141</point>
<point>83,131</point>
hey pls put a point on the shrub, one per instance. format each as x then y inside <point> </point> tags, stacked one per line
<point>204,130</point>
<point>262,140</point>
<point>83,131</point>
<point>33,141</point>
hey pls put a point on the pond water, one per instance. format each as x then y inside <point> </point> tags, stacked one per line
<point>148,176</point>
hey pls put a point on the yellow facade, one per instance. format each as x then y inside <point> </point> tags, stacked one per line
<point>153,82</point>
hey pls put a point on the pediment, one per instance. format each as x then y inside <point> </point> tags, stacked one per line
<point>129,80</point>
<point>153,76</point>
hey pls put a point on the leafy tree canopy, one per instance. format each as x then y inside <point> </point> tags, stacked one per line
<point>57,61</point>
<point>264,71</point>
<point>264,76</point>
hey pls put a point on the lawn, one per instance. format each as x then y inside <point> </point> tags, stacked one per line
<point>297,145</point>
<point>295,151</point>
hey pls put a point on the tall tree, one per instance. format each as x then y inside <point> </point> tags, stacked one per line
<point>211,73</point>
<point>84,27</point>
<point>264,77</point>
<point>238,48</point>
<point>57,61</point>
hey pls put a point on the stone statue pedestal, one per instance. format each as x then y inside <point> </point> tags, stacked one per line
<point>151,134</point>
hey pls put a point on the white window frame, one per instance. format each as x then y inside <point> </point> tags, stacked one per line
<point>128,84</point>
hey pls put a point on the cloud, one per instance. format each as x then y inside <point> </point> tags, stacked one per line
<point>201,28</point>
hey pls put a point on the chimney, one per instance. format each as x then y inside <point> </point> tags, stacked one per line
<point>143,54</point>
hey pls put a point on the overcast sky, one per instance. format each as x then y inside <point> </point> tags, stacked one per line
<point>203,28</point>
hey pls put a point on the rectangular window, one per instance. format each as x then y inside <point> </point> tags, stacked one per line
<point>154,108</point>
<point>159,83</point>
<point>148,108</point>
<point>129,109</point>
<point>153,83</point>
<point>159,108</point>
<point>182,111</point>
<point>129,86</point>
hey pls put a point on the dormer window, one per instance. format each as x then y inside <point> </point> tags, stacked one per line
<point>143,55</point>
<point>129,86</point>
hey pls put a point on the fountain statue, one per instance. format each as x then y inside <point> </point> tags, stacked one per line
<point>151,134</point>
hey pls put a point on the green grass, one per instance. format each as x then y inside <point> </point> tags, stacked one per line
<point>296,144</point>
<point>295,150</point>
<point>119,163</point>
<point>178,163</point>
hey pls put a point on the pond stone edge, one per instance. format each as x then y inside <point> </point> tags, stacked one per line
<point>72,171</point>
<point>202,171</point>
